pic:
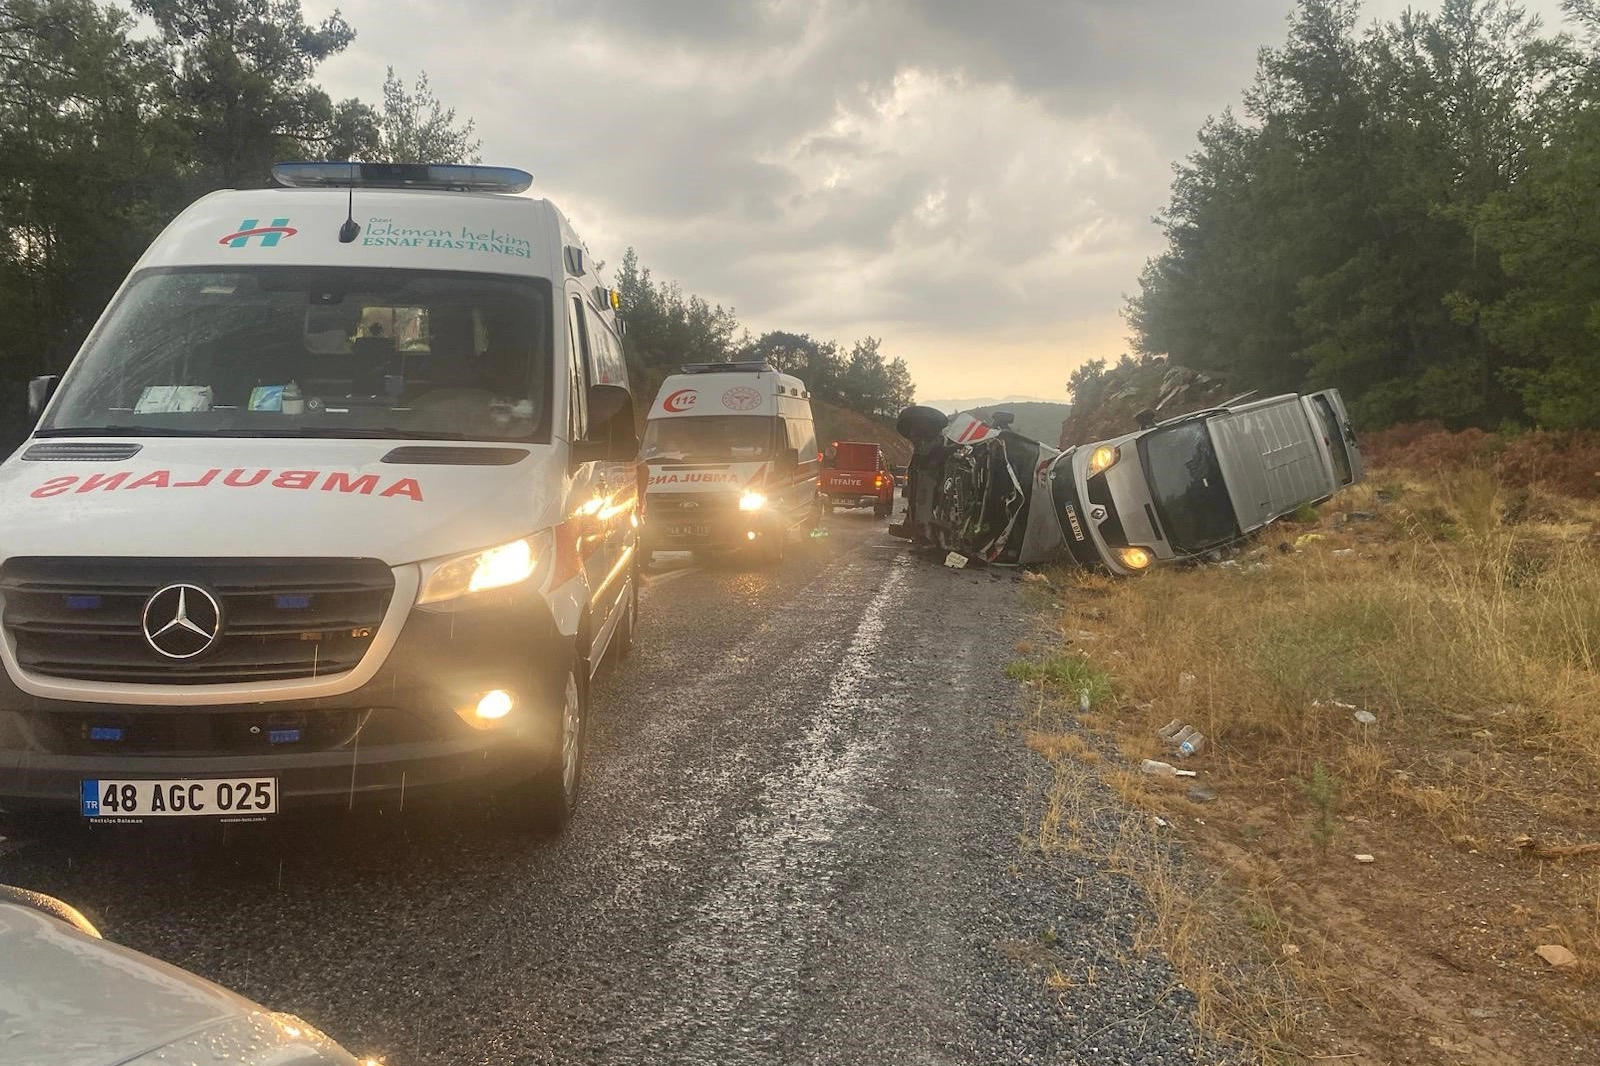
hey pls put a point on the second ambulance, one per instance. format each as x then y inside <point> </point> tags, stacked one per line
<point>732,461</point>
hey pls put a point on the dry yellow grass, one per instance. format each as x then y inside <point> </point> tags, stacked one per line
<point>1441,613</point>
<point>1465,619</point>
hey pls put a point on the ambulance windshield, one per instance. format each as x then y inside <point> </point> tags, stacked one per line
<point>316,352</point>
<point>709,438</point>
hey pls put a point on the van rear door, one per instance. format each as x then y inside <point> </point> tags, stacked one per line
<point>1327,408</point>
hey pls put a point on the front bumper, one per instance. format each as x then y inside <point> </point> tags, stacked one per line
<point>399,734</point>
<point>1076,527</point>
<point>852,500</point>
<point>709,526</point>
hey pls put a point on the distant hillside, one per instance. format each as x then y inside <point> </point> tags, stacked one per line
<point>839,423</point>
<point>1039,419</point>
<point>970,403</point>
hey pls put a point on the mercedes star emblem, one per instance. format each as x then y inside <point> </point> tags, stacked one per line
<point>181,621</point>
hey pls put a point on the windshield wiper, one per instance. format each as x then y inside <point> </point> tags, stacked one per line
<point>353,433</point>
<point>123,431</point>
<point>332,433</point>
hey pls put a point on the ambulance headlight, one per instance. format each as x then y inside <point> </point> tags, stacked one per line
<point>752,501</point>
<point>492,568</point>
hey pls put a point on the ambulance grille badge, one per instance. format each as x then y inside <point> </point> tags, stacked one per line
<point>181,621</point>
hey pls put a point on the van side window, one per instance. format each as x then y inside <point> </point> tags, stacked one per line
<point>1335,438</point>
<point>606,364</point>
<point>578,386</point>
<point>803,438</point>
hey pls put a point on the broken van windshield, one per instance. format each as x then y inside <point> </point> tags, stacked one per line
<point>317,352</point>
<point>710,438</point>
<point>1187,488</point>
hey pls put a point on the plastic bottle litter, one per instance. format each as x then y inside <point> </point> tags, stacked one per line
<point>1156,768</point>
<point>1184,740</point>
<point>1083,702</point>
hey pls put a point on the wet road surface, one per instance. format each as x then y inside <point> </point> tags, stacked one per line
<point>803,839</point>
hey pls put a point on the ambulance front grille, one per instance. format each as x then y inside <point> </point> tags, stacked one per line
<point>281,619</point>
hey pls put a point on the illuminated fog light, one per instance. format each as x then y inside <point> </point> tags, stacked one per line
<point>750,535</point>
<point>1135,558</point>
<point>752,501</point>
<point>494,705</point>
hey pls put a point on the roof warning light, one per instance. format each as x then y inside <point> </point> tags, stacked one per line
<point>449,177</point>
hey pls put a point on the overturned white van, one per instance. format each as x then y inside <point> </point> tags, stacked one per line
<point>731,460</point>
<point>1190,485</point>
<point>335,506</point>
<point>1178,490</point>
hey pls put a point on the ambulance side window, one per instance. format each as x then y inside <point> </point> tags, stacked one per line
<point>606,364</point>
<point>578,386</point>
<point>803,438</point>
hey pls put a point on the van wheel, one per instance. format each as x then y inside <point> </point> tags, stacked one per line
<point>881,509</point>
<point>544,804</point>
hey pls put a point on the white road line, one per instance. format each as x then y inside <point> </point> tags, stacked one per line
<point>804,804</point>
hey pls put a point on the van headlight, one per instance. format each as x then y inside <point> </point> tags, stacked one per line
<point>1103,458</point>
<point>492,568</point>
<point>1135,558</point>
<point>752,501</point>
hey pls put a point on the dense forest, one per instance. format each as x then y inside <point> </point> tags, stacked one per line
<point>1407,210</point>
<point>109,127</point>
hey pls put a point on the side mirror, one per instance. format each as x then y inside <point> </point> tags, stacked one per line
<point>606,403</point>
<point>613,437</point>
<point>39,392</point>
<point>898,471</point>
<point>789,456</point>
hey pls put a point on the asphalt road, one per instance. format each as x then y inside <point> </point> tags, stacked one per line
<point>804,839</point>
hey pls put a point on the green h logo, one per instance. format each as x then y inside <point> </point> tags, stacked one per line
<point>251,228</point>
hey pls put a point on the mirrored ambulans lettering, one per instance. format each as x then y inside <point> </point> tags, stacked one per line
<point>338,481</point>
<point>102,481</point>
<point>238,478</point>
<point>683,479</point>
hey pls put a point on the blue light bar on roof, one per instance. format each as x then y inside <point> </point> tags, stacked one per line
<point>453,177</point>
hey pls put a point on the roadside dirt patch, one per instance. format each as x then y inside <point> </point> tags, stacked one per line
<point>1396,806</point>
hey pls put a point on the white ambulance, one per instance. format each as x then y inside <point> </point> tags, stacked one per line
<point>335,506</point>
<point>732,461</point>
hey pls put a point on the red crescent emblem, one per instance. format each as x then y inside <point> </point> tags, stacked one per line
<point>680,401</point>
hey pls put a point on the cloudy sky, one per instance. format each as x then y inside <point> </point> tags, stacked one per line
<point>971,182</point>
